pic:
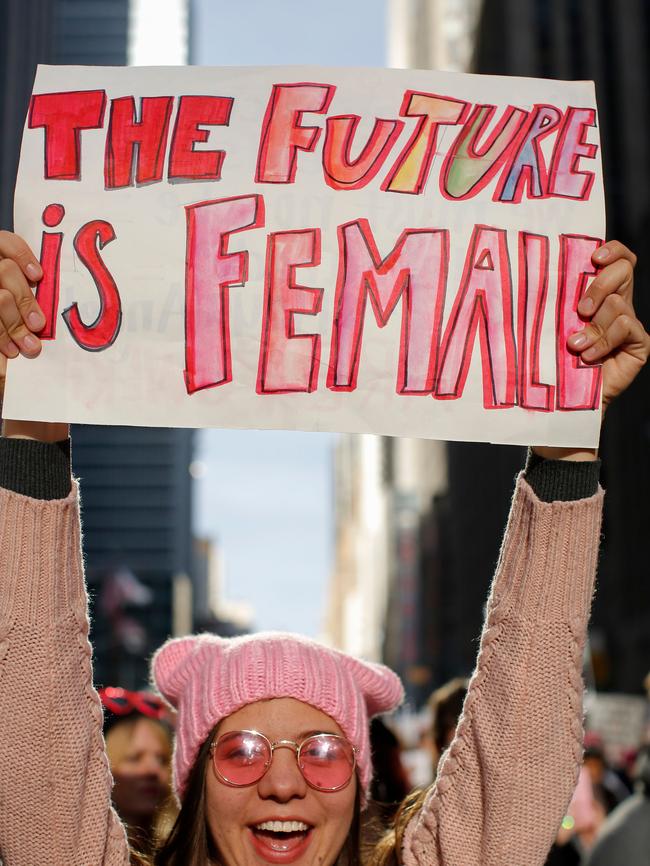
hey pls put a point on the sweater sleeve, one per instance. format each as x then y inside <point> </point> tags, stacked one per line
<point>55,783</point>
<point>507,778</point>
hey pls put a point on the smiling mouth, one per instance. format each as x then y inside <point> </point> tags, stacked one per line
<point>281,838</point>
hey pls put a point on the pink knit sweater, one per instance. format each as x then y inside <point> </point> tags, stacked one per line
<point>502,788</point>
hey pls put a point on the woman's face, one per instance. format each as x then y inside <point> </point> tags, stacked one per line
<point>236,815</point>
<point>141,770</point>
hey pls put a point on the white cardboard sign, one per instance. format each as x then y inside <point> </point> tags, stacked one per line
<point>400,252</point>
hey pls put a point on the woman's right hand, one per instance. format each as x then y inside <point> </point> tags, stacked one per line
<point>20,316</point>
<point>21,320</point>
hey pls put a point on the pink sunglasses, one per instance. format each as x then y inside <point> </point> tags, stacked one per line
<point>241,758</point>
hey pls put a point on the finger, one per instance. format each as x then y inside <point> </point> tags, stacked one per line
<point>16,300</point>
<point>615,278</point>
<point>13,333</point>
<point>12,280</point>
<point>8,349</point>
<point>611,252</point>
<point>624,331</point>
<point>612,307</point>
<point>14,247</point>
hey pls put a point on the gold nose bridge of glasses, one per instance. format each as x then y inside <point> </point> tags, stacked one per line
<point>286,744</point>
<point>294,745</point>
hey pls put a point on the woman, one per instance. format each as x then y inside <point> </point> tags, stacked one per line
<point>272,762</point>
<point>139,748</point>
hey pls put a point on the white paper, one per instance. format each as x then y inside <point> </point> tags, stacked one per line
<point>466,350</point>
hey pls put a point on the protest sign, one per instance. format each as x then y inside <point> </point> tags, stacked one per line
<point>619,720</point>
<point>392,251</point>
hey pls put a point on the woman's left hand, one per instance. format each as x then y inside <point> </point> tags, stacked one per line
<point>613,335</point>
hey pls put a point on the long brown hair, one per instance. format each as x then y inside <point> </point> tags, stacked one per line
<point>189,842</point>
<point>387,851</point>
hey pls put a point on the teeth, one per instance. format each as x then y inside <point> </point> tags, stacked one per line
<point>283,826</point>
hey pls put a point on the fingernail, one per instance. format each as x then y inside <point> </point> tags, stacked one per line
<point>30,343</point>
<point>11,350</point>
<point>578,340</point>
<point>601,254</point>
<point>586,306</point>
<point>35,321</point>
<point>588,354</point>
<point>33,271</point>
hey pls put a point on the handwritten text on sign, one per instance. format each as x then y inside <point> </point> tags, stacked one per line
<point>389,251</point>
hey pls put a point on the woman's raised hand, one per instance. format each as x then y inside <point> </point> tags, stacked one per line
<point>612,334</point>
<point>20,316</point>
<point>21,319</point>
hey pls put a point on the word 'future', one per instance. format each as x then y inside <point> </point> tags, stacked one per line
<point>486,145</point>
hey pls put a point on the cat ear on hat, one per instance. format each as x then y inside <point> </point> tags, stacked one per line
<point>380,686</point>
<point>170,665</point>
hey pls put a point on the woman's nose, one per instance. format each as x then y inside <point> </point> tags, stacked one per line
<point>283,780</point>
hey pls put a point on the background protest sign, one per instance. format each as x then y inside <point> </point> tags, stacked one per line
<point>391,251</point>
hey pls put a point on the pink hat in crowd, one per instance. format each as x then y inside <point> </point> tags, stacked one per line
<point>206,678</point>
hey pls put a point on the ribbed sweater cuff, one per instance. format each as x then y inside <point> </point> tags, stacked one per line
<point>40,470</point>
<point>40,559</point>
<point>561,480</point>
<point>548,559</point>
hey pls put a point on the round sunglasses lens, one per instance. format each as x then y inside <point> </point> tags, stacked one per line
<point>241,757</point>
<point>327,762</point>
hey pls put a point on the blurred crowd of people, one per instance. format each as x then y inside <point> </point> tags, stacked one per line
<point>608,820</point>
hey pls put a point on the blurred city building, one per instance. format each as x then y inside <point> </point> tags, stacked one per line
<point>212,611</point>
<point>606,41</point>
<point>384,492</point>
<point>358,591</point>
<point>418,524</point>
<point>25,41</point>
<point>90,33</point>
<point>431,34</point>
<point>137,511</point>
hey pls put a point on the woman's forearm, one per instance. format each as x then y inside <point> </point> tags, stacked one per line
<point>508,776</point>
<point>54,778</point>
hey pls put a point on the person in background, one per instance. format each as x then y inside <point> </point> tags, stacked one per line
<point>446,705</point>
<point>139,748</point>
<point>580,825</point>
<point>585,817</point>
<point>624,839</point>
<point>390,783</point>
<point>604,778</point>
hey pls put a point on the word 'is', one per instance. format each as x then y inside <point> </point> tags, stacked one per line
<point>434,356</point>
<point>137,141</point>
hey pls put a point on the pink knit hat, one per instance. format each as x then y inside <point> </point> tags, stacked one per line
<point>206,678</point>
